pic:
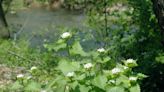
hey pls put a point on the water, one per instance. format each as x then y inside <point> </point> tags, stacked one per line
<point>35,25</point>
<point>38,24</point>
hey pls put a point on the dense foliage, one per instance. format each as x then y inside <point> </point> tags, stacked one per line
<point>76,71</point>
<point>133,37</point>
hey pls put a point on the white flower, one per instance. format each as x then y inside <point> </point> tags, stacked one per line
<point>43,91</point>
<point>29,77</point>
<point>13,12</point>
<point>130,61</point>
<point>45,40</point>
<point>20,76</point>
<point>112,81</point>
<point>101,50</point>
<point>131,10</point>
<point>70,74</point>
<point>116,70</point>
<point>88,66</point>
<point>67,87</point>
<point>33,68</point>
<point>125,67</point>
<point>132,78</point>
<point>65,35</point>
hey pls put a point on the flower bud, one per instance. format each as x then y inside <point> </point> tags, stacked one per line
<point>33,68</point>
<point>130,63</point>
<point>70,74</point>
<point>65,35</point>
<point>101,50</point>
<point>133,78</point>
<point>88,66</point>
<point>116,71</point>
<point>19,76</point>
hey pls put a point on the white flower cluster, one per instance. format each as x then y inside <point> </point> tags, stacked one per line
<point>116,71</point>
<point>112,81</point>
<point>33,68</point>
<point>13,12</point>
<point>43,91</point>
<point>88,65</point>
<point>101,50</point>
<point>67,87</point>
<point>133,78</point>
<point>70,74</point>
<point>66,35</point>
<point>29,77</point>
<point>20,76</point>
<point>130,63</point>
<point>125,67</point>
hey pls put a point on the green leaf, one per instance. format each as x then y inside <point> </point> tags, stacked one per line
<point>59,46</point>
<point>56,80</point>
<point>100,81</point>
<point>124,80</point>
<point>48,47</point>
<point>67,66</point>
<point>105,59</point>
<point>76,65</point>
<point>141,76</point>
<point>80,77</point>
<point>115,89</point>
<point>94,54</point>
<point>60,41</point>
<point>74,85</point>
<point>135,88</point>
<point>83,88</point>
<point>61,88</point>
<point>16,86</point>
<point>33,86</point>
<point>160,59</point>
<point>77,49</point>
<point>60,84</point>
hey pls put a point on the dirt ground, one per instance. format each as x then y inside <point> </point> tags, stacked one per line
<point>8,74</point>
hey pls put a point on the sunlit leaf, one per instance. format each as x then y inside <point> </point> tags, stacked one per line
<point>116,89</point>
<point>83,88</point>
<point>160,59</point>
<point>67,66</point>
<point>33,86</point>
<point>16,86</point>
<point>135,88</point>
<point>59,46</point>
<point>77,49</point>
<point>100,81</point>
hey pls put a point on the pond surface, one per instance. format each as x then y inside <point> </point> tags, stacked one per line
<point>35,25</point>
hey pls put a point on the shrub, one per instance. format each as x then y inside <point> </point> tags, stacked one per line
<point>79,71</point>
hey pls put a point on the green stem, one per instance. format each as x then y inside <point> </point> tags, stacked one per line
<point>68,50</point>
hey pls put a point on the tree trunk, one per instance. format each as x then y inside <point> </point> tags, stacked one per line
<point>4,32</point>
<point>158,6</point>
